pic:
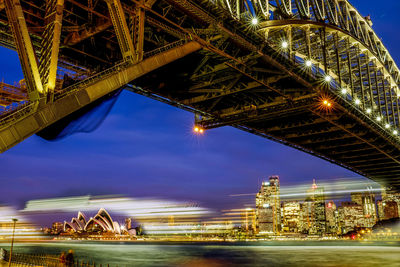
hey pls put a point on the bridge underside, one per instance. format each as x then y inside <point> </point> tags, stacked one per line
<point>196,56</point>
<point>296,118</point>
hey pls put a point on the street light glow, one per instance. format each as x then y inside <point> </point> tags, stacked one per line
<point>308,63</point>
<point>378,118</point>
<point>344,91</point>
<point>285,44</point>
<point>395,132</point>
<point>387,125</point>
<point>357,101</point>
<point>254,21</point>
<point>369,110</point>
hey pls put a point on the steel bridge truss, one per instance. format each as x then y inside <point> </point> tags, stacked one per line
<point>266,67</point>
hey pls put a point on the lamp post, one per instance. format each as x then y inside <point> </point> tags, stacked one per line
<point>12,241</point>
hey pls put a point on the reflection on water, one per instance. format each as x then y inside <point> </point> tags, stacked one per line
<point>226,254</point>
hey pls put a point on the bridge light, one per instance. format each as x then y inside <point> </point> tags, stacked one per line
<point>369,110</point>
<point>344,91</point>
<point>308,63</point>
<point>198,129</point>
<point>378,118</point>
<point>395,132</point>
<point>326,104</point>
<point>357,101</point>
<point>254,21</point>
<point>387,125</point>
<point>285,44</point>
<point>328,78</point>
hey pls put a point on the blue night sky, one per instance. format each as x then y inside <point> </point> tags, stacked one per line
<point>146,148</point>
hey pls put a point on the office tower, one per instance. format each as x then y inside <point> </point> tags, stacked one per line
<point>351,215</point>
<point>316,208</point>
<point>290,216</point>
<point>268,206</point>
<point>331,217</point>
<point>389,195</point>
<point>367,201</point>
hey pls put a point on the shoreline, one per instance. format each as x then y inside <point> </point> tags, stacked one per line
<point>291,242</point>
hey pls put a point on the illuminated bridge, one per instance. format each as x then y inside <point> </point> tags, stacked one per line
<point>310,74</point>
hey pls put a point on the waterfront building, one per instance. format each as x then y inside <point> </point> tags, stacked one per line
<point>315,207</point>
<point>390,210</point>
<point>290,216</point>
<point>331,215</point>
<point>100,223</point>
<point>367,201</point>
<point>249,220</point>
<point>128,223</point>
<point>381,213</point>
<point>57,227</point>
<point>351,215</point>
<point>268,207</point>
<point>306,219</point>
<point>391,196</point>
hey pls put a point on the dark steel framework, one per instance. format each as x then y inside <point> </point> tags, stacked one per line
<point>262,66</point>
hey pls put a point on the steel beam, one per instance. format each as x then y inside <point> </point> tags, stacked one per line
<point>137,30</point>
<point>25,49</point>
<point>78,36</point>
<point>121,29</point>
<point>19,126</point>
<point>50,46</point>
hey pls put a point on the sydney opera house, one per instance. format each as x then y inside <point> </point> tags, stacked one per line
<point>100,223</point>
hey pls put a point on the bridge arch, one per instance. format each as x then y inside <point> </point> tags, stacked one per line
<point>338,41</point>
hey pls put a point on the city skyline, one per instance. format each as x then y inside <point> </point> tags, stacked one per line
<point>148,147</point>
<point>45,210</point>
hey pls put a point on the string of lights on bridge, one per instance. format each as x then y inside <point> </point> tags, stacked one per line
<point>328,103</point>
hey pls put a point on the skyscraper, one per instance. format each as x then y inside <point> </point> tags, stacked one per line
<point>351,215</point>
<point>367,201</point>
<point>316,199</point>
<point>389,195</point>
<point>268,207</point>
<point>331,217</point>
<point>290,216</point>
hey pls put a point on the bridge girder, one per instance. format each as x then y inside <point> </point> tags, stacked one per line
<point>239,74</point>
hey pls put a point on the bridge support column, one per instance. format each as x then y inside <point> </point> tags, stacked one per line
<point>25,49</point>
<point>122,30</point>
<point>50,46</point>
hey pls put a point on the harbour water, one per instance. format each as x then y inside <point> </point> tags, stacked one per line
<point>335,253</point>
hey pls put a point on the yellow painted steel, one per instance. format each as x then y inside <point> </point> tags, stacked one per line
<point>20,128</point>
<point>25,49</point>
<point>50,44</point>
<point>121,29</point>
